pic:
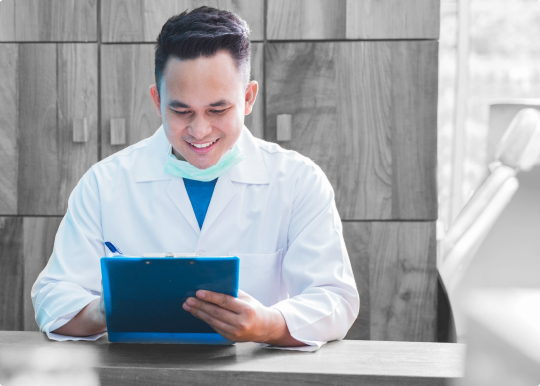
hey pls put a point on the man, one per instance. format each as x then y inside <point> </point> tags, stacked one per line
<point>202,183</point>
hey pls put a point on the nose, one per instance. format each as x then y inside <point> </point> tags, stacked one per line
<point>199,128</point>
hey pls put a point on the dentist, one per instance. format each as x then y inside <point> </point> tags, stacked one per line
<point>202,183</point>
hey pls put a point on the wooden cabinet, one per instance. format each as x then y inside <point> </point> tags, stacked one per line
<point>48,20</point>
<point>127,71</point>
<point>26,243</point>
<point>396,275</point>
<point>50,124</point>
<point>141,20</point>
<point>366,112</point>
<point>352,19</point>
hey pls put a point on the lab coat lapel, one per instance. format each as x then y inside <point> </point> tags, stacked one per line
<point>223,194</point>
<point>178,194</point>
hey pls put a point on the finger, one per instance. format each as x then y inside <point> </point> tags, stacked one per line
<point>225,301</point>
<point>217,312</point>
<point>226,335</point>
<point>209,319</point>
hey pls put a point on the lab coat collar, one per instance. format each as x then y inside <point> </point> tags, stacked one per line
<point>250,171</point>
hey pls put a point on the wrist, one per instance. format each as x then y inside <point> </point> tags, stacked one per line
<point>97,316</point>
<point>276,328</point>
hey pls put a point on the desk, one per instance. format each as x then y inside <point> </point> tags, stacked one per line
<point>338,363</point>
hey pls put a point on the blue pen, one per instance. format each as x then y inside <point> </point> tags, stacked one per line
<point>113,248</point>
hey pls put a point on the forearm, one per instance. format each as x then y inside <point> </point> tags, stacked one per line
<point>87,322</point>
<point>279,334</point>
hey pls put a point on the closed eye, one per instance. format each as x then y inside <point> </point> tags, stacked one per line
<point>186,113</point>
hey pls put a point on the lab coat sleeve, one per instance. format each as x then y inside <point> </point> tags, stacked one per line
<point>72,277</point>
<point>323,299</point>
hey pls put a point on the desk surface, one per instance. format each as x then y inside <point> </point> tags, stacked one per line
<point>337,363</point>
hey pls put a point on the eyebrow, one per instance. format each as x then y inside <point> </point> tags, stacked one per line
<point>182,105</point>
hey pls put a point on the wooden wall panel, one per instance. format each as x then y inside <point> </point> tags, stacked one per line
<point>255,121</point>
<point>355,113</point>
<point>414,117</point>
<point>394,264</point>
<point>7,21</point>
<point>357,237</point>
<point>38,243</point>
<point>141,20</point>
<point>57,84</point>
<point>26,244</point>
<point>403,282</point>
<point>8,127</point>
<point>38,143</point>
<point>392,19</point>
<point>50,21</point>
<point>11,273</point>
<point>352,19</point>
<point>306,19</point>
<point>127,73</point>
<point>77,99</point>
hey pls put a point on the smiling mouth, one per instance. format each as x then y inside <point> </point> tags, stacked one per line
<point>202,148</point>
<point>202,145</point>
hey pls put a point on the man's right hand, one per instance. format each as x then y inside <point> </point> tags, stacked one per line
<point>89,321</point>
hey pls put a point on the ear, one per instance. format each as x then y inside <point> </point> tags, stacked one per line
<point>155,98</point>
<point>251,96</point>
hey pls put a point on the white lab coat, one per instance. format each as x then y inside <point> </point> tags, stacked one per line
<point>275,211</point>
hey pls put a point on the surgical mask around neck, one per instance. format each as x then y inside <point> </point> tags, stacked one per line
<point>184,169</point>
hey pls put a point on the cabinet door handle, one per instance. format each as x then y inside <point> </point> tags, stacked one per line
<point>118,131</point>
<point>80,130</point>
<point>284,127</point>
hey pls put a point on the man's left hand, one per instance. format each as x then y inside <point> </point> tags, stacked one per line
<point>242,319</point>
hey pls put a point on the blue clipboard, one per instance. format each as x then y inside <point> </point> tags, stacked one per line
<point>144,296</point>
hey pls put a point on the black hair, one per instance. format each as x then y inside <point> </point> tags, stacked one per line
<point>203,32</point>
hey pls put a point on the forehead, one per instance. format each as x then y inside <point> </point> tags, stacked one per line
<point>202,78</point>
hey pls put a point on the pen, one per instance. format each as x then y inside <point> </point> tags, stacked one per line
<point>113,248</point>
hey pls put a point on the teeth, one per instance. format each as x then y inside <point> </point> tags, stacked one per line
<point>203,145</point>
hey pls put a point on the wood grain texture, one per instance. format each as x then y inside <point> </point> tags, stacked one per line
<point>392,19</point>
<point>358,237</point>
<point>403,281</point>
<point>57,85</point>
<point>255,121</point>
<point>355,119</point>
<point>8,127</point>
<point>337,363</point>
<point>306,19</point>
<point>26,243</point>
<point>142,20</point>
<point>11,273</point>
<point>77,99</point>
<point>414,140</point>
<point>38,139</point>
<point>7,21</point>
<point>352,19</point>
<point>52,21</point>
<point>38,241</point>
<point>394,268</point>
<point>127,73</point>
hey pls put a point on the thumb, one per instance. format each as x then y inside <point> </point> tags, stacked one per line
<point>243,295</point>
